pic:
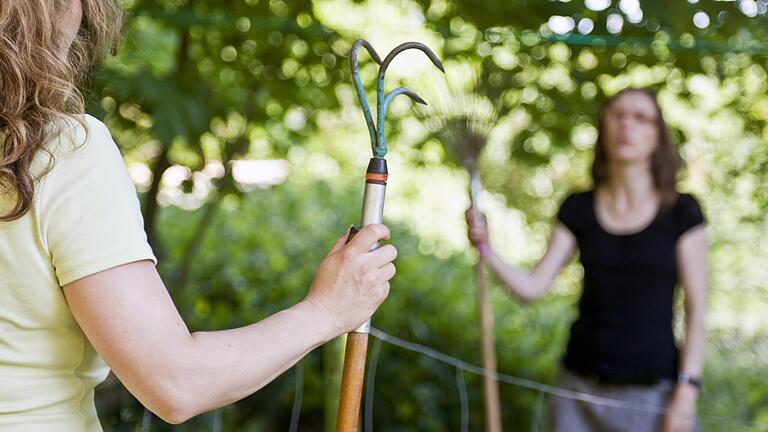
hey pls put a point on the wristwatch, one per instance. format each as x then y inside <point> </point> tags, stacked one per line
<point>686,378</point>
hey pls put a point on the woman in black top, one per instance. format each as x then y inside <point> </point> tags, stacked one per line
<point>638,238</point>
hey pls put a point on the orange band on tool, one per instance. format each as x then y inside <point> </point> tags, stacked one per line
<point>376,177</point>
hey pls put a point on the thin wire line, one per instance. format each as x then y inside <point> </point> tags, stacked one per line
<point>370,383</point>
<point>463,399</point>
<point>552,390</point>
<point>185,17</point>
<point>146,420</point>
<point>217,420</point>
<point>297,397</point>
<point>536,425</point>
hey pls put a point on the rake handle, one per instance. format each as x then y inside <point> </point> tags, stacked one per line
<point>485,309</point>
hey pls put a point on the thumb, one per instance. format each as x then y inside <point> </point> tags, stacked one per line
<point>340,242</point>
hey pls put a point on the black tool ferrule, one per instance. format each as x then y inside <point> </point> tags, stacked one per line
<point>378,166</point>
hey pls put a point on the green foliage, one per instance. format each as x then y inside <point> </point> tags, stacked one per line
<point>259,257</point>
<point>198,83</point>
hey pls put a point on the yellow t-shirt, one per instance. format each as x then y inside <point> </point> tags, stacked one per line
<point>85,219</point>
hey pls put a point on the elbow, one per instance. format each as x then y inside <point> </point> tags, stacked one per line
<point>525,301</point>
<point>175,419</point>
<point>172,411</point>
<point>531,294</point>
<point>527,298</point>
<point>171,403</point>
<point>527,289</point>
<point>167,382</point>
<point>173,414</point>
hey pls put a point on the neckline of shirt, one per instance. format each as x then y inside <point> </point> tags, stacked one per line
<point>593,198</point>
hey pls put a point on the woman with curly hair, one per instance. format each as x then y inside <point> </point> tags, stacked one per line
<point>77,277</point>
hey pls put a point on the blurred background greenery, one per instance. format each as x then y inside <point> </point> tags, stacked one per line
<point>241,130</point>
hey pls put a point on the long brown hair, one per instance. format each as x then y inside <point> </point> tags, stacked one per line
<point>38,85</point>
<point>665,161</point>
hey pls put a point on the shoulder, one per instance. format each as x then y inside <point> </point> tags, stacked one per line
<point>686,200</point>
<point>578,200</point>
<point>80,153</point>
<point>74,133</point>
<point>576,210</point>
<point>81,140</point>
<point>687,206</point>
<point>76,147</point>
<point>687,213</point>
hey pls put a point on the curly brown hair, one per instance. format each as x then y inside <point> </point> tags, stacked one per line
<point>38,84</point>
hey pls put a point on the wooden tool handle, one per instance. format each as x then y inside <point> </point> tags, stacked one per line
<point>490,386</point>
<point>352,382</point>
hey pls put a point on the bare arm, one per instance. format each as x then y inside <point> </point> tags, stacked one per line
<point>692,254</point>
<point>129,317</point>
<point>526,286</point>
<point>692,251</point>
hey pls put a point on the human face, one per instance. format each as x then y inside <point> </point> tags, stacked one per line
<point>72,18</point>
<point>631,128</point>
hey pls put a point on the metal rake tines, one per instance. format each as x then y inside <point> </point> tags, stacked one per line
<point>359,89</point>
<point>376,130</point>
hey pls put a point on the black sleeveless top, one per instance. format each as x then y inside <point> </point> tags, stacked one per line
<point>624,328</point>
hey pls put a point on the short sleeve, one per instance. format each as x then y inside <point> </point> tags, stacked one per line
<point>90,215</point>
<point>569,213</point>
<point>688,214</point>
